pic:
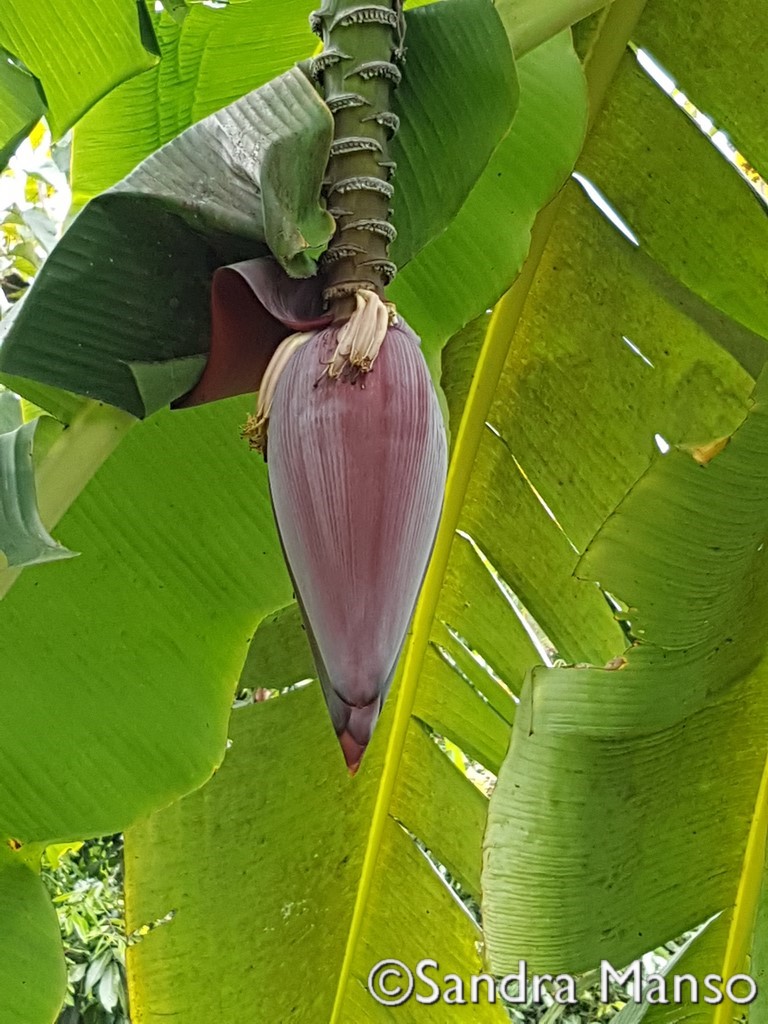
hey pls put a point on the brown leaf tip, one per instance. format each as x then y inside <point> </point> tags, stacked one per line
<point>704,453</point>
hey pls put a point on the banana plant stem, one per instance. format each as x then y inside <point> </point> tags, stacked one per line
<point>358,70</point>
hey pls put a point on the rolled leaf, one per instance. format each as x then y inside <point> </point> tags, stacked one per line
<point>23,538</point>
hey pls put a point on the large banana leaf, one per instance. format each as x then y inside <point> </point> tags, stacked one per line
<point>149,246</point>
<point>268,906</point>
<point>689,691</point>
<point>663,729</point>
<point>145,632</point>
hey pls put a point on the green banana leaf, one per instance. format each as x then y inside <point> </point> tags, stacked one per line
<point>494,224</point>
<point>65,58</point>
<point>148,247</point>
<point>599,347</point>
<point>203,855</point>
<point>731,92</point>
<point>33,976</point>
<point>145,633</point>
<point>21,105</point>
<point>664,727</point>
<point>23,538</point>
<point>695,600</point>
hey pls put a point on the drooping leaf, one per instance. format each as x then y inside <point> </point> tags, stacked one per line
<point>133,271</point>
<point>23,538</point>
<point>252,170</point>
<point>449,69</point>
<point>33,975</point>
<point>86,319</point>
<point>76,58</point>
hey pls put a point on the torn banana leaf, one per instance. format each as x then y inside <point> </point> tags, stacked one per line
<point>665,746</point>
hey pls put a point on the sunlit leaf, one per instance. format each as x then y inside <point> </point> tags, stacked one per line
<point>77,59</point>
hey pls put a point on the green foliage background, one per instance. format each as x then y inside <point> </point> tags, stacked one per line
<point>557,494</point>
